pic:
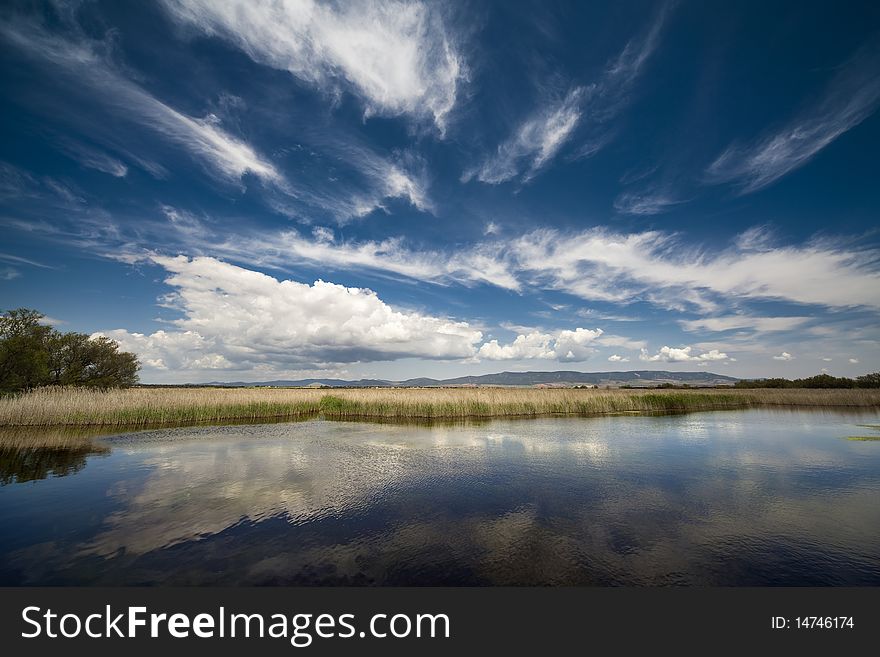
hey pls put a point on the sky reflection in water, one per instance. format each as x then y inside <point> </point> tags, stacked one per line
<point>727,498</point>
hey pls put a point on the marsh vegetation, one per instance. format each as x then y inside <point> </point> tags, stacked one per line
<point>137,407</point>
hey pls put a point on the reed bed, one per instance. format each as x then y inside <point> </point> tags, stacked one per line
<point>138,407</point>
<point>135,407</point>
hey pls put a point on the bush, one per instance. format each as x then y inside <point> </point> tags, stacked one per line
<point>818,381</point>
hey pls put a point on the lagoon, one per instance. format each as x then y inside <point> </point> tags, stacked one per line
<point>731,498</point>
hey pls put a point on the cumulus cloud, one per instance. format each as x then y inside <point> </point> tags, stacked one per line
<point>852,96</point>
<point>784,356</point>
<point>614,358</point>
<point>397,56</point>
<point>854,361</point>
<point>566,345</point>
<point>682,355</point>
<point>534,143</point>
<point>238,319</point>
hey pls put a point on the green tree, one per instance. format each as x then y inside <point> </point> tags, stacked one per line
<point>105,366</point>
<point>24,357</point>
<point>32,354</point>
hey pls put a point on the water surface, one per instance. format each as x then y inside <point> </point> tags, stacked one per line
<point>722,498</point>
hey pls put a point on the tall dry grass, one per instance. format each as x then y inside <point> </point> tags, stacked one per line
<point>147,406</point>
<point>169,406</point>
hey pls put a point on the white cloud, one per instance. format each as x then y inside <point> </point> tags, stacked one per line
<point>623,71</point>
<point>784,356</point>
<point>387,179</point>
<point>608,340</point>
<point>94,159</point>
<point>851,97</point>
<point>598,264</point>
<point>541,136</point>
<point>756,324</point>
<point>645,203</point>
<point>18,260</point>
<point>85,63</point>
<point>595,264</point>
<point>612,92</point>
<point>682,355</point>
<point>479,264</point>
<point>827,360</point>
<point>527,346</point>
<point>566,345</point>
<point>396,56</point>
<point>854,361</point>
<point>534,143</point>
<point>238,319</point>
<point>223,153</point>
<point>614,358</point>
<point>235,319</point>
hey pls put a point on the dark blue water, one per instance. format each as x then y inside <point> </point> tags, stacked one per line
<point>727,498</point>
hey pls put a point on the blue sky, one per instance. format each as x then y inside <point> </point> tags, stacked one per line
<point>246,190</point>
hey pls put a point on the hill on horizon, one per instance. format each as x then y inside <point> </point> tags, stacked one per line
<point>644,378</point>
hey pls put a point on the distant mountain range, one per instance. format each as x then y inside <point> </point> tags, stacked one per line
<point>561,379</point>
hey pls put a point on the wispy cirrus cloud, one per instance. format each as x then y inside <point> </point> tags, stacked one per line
<point>80,61</point>
<point>397,56</point>
<point>596,264</point>
<point>602,265</point>
<point>86,68</point>
<point>743,322</point>
<point>852,96</point>
<point>534,143</point>
<point>18,260</point>
<point>646,202</point>
<point>93,158</point>
<point>482,263</point>
<point>541,136</point>
<point>612,92</point>
<point>370,182</point>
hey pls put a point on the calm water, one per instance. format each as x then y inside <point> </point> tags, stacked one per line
<point>730,498</point>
